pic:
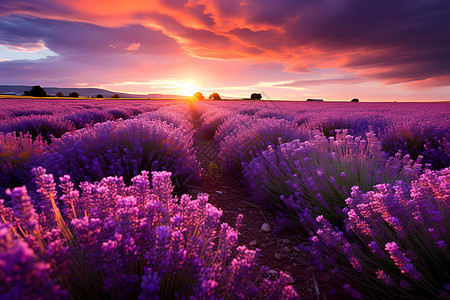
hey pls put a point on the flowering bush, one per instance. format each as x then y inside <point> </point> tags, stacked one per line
<point>32,111</point>
<point>171,117</point>
<point>85,117</point>
<point>120,113</point>
<point>318,174</point>
<point>396,240</point>
<point>274,114</point>
<point>240,146</point>
<point>429,140</point>
<point>124,148</point>
<point>126,242</point>
<point>46,126</point>
<point>4,115</point>
<point>15,154</point>
<point>232,125</point>
<point>183,109</point>
<point>355,124</point>
<point>210,120</point>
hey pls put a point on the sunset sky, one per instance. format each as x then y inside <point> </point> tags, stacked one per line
<point>381,50</point>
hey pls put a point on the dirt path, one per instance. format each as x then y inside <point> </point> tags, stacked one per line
<point>279,250</point>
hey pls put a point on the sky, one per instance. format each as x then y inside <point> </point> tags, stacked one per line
<point>383,50</point>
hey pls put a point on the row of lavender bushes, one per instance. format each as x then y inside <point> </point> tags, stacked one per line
<point>160,140</point>
<point>12,108</point>
<point>390,242</point>
<point>49,126</point>
<point>407,128</point>
<point>360,187</point>
<point>125,242</point>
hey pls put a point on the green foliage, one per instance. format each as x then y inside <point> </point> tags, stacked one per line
<point>74,95</point>
<point>214,96</point>
<point>36,91</point>
<point>256,96</point>
<point>199,96</point>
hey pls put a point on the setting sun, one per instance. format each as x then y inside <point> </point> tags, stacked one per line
<point>188,88</point>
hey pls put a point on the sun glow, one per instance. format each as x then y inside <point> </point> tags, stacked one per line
<point>188,88</point>
<point>172,86</point>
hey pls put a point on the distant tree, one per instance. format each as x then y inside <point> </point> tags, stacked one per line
<point>115,96</point>
<point>59,94</point>
<point>199,96</point>
<point>256,96</point>
<point>99,96</point>
<point>355,100</point>
<point>36,91</point>
<point>74,95</point>
<point>214,96</point>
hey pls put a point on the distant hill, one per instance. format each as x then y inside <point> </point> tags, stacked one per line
<point>84,92</point>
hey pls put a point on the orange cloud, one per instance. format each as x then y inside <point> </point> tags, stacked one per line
<point>384,41</point>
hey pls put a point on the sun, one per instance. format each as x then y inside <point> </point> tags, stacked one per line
<point>188,88</point>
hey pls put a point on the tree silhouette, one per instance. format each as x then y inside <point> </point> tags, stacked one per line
<point>36,91</point>
<point>59,94</point>
<point>256,96</point>
<point>74,95</point>
<point>355,100</point>
<point>215,96</point>
<point>99,96</point>
<point>115,96</point>
<point>199,96</point>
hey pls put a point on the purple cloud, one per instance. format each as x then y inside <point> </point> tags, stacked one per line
<point>403,41</point>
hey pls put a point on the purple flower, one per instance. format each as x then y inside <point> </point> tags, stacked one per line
<point>402,262</point>
<point>385,278</point>
<point>22,275</point>
<point>24,212</point>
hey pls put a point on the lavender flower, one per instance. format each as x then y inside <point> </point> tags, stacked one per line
<point>373,243</point>
<point>402,262</point>
<point>22,275</point>
<point>126,148</point>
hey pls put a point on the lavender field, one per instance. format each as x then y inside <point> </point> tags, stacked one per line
<point>105,199</point>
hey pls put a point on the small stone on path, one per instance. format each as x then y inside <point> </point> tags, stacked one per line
<point>253,243</point>
<point>290,279</point>
<point>266,227</point>
<point>272,273</point>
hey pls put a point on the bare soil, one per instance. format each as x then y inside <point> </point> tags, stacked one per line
<point>278,248</point>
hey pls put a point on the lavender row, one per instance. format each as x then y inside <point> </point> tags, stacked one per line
<point>110,148</point>
<point>124,148</point>
<point>318,174</point>
<point>395,240</point>
<point>26,107</point>
<point>415,129</point>
<point>133,242</point>
<point>390,243</point>
<point>16,153</point>
<point>248,139</point>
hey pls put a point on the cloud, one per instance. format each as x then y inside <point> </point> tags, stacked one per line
<point>389,42</point>
<point>133,46</point>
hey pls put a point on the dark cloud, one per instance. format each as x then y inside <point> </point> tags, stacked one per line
<point>399,41</point>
